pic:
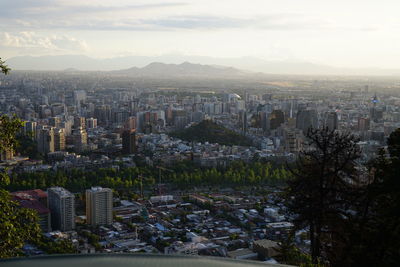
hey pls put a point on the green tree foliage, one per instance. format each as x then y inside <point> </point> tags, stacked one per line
<point>62,246</point>
<point>9,126</point>
<point>3,67</point>
<point>324,190</point>
<point>17,225</point>
<point>126,180</point>
<point>209,131</point>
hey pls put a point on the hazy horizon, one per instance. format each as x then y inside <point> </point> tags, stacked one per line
<point>356,34</point>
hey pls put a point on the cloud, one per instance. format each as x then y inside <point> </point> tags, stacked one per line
<point>35,15</point>
<point>54,9</point>
<point>31,41</point>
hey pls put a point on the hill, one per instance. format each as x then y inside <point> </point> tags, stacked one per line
<point>209,131</point>
<point>253,64</point>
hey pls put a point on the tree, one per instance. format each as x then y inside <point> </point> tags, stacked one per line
<point>4,68</point>
<point>377,232</point>
<point>17,225</point>
<point>324,189</point>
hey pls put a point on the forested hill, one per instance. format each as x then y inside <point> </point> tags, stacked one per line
<point>209,131</point>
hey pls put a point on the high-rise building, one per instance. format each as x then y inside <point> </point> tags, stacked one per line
<point>79,137</point>
<point>331,121</point>
<point>45,139</point>
<point>91,123</point>
<point>79,96</point>
<point>59,139</point>
<point>306,119</point>
<point>99,204</point>
<point>243,120</point>
<point>62,208</point>
<point>79,122</point>
<point>55,121</point>
<point>30,128</point>
<point>276,119</point>
<point>363,124</point>
<point>129,142</point>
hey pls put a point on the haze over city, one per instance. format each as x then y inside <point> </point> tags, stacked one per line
<point>347,34</point>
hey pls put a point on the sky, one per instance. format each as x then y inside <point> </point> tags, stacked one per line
<point>344,33</point>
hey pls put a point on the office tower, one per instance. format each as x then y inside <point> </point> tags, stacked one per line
<point>57,109</point>
<point>55,121</point>
<point>99,204</point>
<point>91,123</point>
<point>363,124</point>
<point>45,139</point>
<point>79,137</point>
<point>243,121</point>
<point>103,114</point>
<point>120,116</point>
<point>129,141</point>
<point>276,119</point>
<point>79,122</point>
<point>264,121</point>
<point>331,121</point>
<point>79,96</point>
<point>62,208</point>
<point>59,139</point>
<point>36,200</point>
<point>306,119</point>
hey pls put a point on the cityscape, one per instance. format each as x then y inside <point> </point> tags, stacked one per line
<point>285,163</point>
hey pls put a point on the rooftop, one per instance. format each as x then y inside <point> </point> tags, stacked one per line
<point>128,260</point>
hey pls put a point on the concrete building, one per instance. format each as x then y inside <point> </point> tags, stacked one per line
<point>306,119</point>
<point>129,142</point>
<point>99,206</point>
<point>91,123</point>
<point>331,121</point>
<point>59,139</point>
<point>62,207</point>
<point>45,139</point>
<point>80,139</point>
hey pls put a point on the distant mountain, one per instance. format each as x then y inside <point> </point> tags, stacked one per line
<point>209,131</point>
<point>85,63</point>
<point>185,69</point>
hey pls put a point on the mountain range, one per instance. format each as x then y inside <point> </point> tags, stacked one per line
<point>132,65</point>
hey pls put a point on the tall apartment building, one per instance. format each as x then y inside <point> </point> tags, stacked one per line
<point>331,121</point>
<point>45,139</point>
<point>30,129</point>
<point>91,123</point>
<point>55,121</point>
<point>129,142</point>
<point>79,122</point>
<point>306,119</point>
<point>80,139</point>
<point>99,204</point>
<point>59,139</point>
<point>62,208</point>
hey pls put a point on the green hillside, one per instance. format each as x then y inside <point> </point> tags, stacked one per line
<point>209,131</point>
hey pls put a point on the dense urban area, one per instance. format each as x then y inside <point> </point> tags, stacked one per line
<point>191,166</point>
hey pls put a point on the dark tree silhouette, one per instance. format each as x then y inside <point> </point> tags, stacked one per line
<point>324,188</point>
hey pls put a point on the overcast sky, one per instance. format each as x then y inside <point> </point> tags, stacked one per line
<point>347,33</point>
